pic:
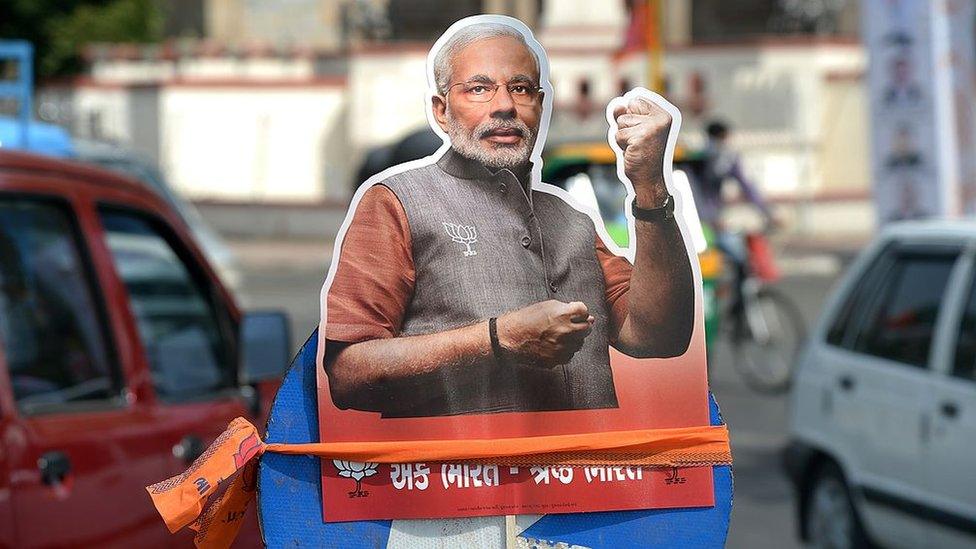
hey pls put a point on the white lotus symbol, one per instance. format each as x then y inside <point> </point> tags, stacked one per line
<point>462,235</point>
<point>357,471</point>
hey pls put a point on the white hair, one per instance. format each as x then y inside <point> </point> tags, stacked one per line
<point>464,38</point>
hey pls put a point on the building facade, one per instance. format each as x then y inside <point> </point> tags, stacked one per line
<point>257,114</point>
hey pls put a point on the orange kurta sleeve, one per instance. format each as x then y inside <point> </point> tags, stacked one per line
<point>375,277</point>
<point>616,275</point>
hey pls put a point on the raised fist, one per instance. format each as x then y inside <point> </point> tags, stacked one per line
<point>642,134</point>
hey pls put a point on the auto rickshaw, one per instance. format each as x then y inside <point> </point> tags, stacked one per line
<point>588,171</point>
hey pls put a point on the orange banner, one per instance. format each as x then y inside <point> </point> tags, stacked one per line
<point>192,498</point>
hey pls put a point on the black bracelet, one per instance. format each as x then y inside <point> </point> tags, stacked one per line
<point>496,347</point>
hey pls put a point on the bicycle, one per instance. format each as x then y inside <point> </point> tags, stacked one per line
<point>763,326</point>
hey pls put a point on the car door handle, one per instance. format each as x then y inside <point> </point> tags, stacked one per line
<point>188,449</point>
<point>846,383</point>
<point>949,409</point>
<point>55,467</point>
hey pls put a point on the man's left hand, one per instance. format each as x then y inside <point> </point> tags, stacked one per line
<point>642,134</point>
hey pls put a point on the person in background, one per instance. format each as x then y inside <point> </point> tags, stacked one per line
<point>722,164</point>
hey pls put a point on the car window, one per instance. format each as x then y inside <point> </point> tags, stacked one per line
<point>841,329</point>
<point>52,326</point>
<point>187,348</point>
<point>964,365</point>
<point>899,323</point>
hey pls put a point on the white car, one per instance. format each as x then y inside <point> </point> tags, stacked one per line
<point>883,411</point>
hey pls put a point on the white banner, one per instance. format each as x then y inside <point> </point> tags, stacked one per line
<point>921,95</point>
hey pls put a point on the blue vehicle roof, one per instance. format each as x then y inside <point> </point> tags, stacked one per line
<point>42,138</point>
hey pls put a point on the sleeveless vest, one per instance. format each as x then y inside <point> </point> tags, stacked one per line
<point>484,245</point>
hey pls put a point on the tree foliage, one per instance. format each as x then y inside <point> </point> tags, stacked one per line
<point>59,29</point>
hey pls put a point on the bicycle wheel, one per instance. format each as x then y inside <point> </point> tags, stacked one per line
<point>766,336</point>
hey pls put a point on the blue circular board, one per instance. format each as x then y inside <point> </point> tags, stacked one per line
<point>290,502</point>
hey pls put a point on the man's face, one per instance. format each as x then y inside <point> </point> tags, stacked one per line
<point>499,133</point>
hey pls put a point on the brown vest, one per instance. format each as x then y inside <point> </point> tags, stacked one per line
<point>482,247</point>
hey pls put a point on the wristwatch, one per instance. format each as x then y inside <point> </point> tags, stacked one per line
<point>661,213</point>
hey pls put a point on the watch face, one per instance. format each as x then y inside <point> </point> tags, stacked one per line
<point>667,209</point>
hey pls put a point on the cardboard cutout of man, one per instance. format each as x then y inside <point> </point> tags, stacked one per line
<point>462,289</point>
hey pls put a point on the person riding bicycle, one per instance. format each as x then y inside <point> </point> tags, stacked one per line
<point>764,326</point>
<point>720,164</point>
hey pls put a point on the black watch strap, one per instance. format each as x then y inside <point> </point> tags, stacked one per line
<point>663,212</point>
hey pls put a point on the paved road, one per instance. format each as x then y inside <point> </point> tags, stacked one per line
<point>289,276</point>
<point>763,513</point>
<point>285,275</point>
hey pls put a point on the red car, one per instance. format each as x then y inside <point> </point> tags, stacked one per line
<point>121,356</point>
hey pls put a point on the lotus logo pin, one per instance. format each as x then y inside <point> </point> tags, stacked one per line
<point>462,234</point>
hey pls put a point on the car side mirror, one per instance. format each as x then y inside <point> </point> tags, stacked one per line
<point>265,340</point>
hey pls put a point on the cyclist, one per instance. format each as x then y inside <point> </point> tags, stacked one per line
<point>720,164</point>
<point>766,326</point>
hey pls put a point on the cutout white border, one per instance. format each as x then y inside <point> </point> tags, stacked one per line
<point>684,202</point>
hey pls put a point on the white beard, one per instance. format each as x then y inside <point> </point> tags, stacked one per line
<point>493,155</point>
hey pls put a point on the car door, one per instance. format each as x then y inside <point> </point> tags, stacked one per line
<point>187,334</point>
<point>951,508</point>
<point>8,530</point>
<point>880,382</point>
<point>74,442</point>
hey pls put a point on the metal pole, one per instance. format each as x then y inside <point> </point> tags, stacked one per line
<point>655,46</point>
<point>26,74</point>
<point>21,88</point>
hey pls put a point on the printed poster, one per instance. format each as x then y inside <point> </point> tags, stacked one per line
<point>467,299</point>
<point>920,85</point>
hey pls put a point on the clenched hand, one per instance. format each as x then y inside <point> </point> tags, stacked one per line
<point>545,334</point>
<point>642,134</point>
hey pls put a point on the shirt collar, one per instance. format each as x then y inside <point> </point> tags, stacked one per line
<point>454,163</point>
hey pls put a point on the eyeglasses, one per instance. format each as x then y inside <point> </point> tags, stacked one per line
<point>483,92</point>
